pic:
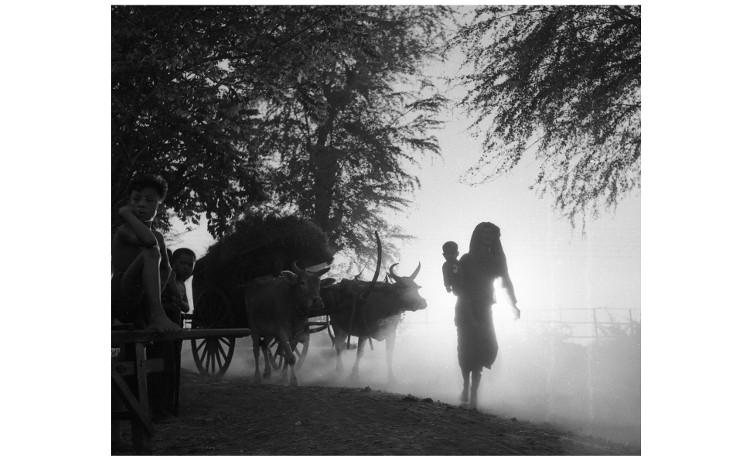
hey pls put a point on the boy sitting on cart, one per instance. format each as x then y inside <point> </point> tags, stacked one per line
<point>139,259</point>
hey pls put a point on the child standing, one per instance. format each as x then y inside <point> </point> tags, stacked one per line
<point>175,300</point>
<point>451,268</point>
<point>164,386</point>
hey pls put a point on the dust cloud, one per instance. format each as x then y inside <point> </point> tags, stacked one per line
<point>589,386</point>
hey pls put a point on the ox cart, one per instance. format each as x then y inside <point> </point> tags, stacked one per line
<point>223,308</point>
<point>259,246</point>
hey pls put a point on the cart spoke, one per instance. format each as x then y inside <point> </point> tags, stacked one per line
<point>204,354</point>
<point>222,351</point>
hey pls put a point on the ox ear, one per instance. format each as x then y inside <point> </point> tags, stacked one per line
<point>326,282</point>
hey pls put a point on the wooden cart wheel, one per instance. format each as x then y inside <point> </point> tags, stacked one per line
<point>300,349</point>
<point>212,355</point>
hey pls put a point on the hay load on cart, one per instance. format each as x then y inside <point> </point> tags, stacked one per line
<point>258,246</point>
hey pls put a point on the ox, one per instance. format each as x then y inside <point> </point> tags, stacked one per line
<point>375,317</point>
<point>278,307</point>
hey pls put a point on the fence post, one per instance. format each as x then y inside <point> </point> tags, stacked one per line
<point>595,321</point>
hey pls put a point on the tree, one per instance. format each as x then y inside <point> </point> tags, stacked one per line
<point>187,83</point>
<point>345,132</point>
<point>566,78</point>
<point>299,108</point>
<point>179,112</point>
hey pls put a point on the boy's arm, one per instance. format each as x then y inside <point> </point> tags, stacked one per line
<point>141,234</point>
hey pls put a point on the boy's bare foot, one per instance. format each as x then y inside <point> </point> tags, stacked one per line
<point>163,325</point>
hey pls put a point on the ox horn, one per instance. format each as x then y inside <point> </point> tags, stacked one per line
<point>367,292</point>
<point>393,273</point>
<point>416,272</point>
<point>296,269</point>
<point>319,269</point>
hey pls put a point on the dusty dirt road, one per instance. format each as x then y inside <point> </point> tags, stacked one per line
<point>236,417</point>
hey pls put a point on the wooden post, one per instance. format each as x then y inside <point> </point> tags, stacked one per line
<point>595,321</point>
<point>142,437</point>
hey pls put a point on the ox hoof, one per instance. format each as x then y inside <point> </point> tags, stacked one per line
<point>257,379</point>
<point>293,381</point>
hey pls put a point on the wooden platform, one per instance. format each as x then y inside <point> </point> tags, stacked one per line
<point>141,335</point>
<point>133,362</point>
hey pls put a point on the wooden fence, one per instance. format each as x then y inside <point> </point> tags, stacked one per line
<point>581,323</point>
<point>586,322</point>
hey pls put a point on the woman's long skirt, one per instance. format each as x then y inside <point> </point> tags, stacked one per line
<point>477,341</point>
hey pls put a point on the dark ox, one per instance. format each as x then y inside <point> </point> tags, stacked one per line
<point>278,307</point>
<point>377,317</point>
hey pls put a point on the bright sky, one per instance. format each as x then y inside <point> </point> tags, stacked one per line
<point>551,265</point>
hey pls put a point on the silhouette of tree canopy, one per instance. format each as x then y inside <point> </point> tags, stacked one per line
<point>300,108</point>
<point>566,78</point>
<point>179,111</point>
<point>346,131</point>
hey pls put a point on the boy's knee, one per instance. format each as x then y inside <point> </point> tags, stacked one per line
<point>152,253</point>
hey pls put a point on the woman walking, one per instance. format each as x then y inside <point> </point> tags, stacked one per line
<point>477,342</point>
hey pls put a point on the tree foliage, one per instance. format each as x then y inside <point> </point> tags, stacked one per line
<point>302,109</point>
<point>567,79</point>
<point>178,111</point>
<point>349,127</point>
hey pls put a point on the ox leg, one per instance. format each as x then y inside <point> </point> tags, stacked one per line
<point>355,376</point>
<point>289,357</point>
<point>341,336</point>
<point>466,385</point>
<point>267,362</point>
<point>475,380</point>
<point>284,370</point>
<point>390,344</point>
<point>257,373</point>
